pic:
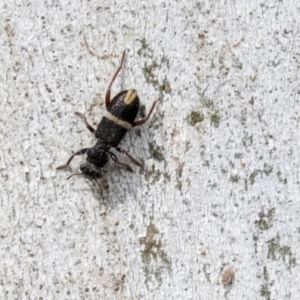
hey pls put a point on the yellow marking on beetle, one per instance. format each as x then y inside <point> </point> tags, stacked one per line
<point>130,96</point>
<point>116,120</point>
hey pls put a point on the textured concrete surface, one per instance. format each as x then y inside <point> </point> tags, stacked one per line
<point>214,213</point>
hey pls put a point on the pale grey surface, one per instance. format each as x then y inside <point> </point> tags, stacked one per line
<point>221,180</point>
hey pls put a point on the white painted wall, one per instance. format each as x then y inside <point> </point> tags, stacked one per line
<point>220,185</point>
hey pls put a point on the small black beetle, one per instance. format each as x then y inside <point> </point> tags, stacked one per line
<point>119,117</point>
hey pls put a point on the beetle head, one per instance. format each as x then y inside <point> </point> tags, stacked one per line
<point>90,171</point>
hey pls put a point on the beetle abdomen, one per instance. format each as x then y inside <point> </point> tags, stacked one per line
<point>109,132</point>
<point>119,117</point>
<point>125,106</point>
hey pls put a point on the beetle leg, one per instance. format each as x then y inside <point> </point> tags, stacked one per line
<point>115,159</point>
<point>128,155</point>
<point>142,121</point>
<point>99,187</point>
<point>79,152</point>
<point>107,97</point>
<point>88,126</point>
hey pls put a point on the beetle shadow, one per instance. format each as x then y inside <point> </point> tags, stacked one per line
<point>110,194</point>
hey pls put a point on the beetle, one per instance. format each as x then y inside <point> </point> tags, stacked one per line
<point>119,117</point>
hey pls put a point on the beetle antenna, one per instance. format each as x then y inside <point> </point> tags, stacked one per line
<point>74,175</point>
